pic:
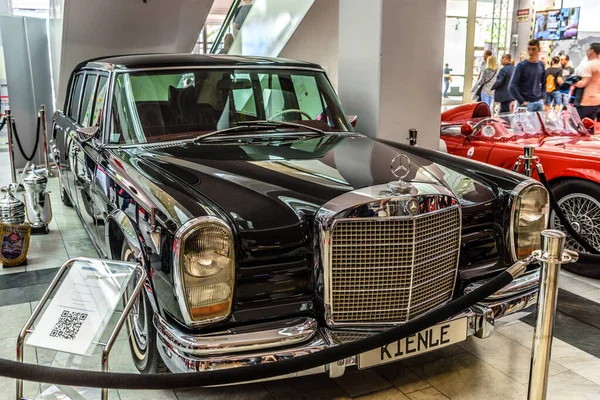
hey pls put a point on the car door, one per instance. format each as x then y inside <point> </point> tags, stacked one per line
<point>67,123</point>
<point>84,156</point>
<point>100,192</point>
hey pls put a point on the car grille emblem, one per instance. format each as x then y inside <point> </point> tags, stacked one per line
<point>400,168</point>
<point>412,207</point>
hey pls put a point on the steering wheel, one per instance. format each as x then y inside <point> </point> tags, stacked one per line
<point>483,121</point>
<point>291,110</point>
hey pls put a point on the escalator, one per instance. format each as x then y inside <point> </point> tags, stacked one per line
<point>259,27</point>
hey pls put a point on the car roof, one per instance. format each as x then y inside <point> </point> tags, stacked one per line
<point>149,61</point>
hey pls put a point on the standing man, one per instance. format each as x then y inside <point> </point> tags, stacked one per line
<point>501,93</point>
<point>567,71</point>
<point>447,80</point>
<point>528,84</point>
<point>590,81</point>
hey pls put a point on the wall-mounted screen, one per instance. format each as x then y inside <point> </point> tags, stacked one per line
<point>558,24</point>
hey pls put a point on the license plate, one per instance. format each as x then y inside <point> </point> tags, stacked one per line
<point>429,339</point>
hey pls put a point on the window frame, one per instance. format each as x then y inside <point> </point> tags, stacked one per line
<point>72,93</point>
<point>91,75</point>
<point>100,75</point>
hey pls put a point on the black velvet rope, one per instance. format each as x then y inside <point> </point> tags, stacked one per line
<point>563,219</point>
<point>61,376</point>
<point>37,139</point>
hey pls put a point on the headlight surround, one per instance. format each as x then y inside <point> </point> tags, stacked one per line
<point>204,270</point>
<point>529,218</point>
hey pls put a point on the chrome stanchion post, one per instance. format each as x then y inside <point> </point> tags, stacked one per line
<point>528,158</point>
<point>42,116</point>
<point>551,256</point>
<point>412,137</point>
<point>11,151</point>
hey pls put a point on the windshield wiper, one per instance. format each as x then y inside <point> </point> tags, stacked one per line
<point>258,125</point>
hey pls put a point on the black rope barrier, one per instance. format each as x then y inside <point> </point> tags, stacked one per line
<point>563,219</point>
<point>2,123</point>
<point>62,376</point>
<point>37,139</point>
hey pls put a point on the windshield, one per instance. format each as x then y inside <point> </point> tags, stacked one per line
<point>154,106</point>
<point>555,123</point>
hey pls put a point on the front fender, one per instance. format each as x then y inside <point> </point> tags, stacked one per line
<point>579,173</point>
<point>118,221</point>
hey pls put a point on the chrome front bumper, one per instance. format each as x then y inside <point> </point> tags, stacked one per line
<point>279,340</point>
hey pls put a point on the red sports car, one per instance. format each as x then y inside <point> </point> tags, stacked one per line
<point>568,152</point>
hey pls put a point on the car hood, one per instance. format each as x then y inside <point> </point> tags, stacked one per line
<point>270,190</point>
<point>587,146</point>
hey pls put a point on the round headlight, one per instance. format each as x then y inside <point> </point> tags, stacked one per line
<point>204,266</point>
<point>529,218</point>
<point>207,251</point>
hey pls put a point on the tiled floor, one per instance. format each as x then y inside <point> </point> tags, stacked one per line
<point>494,368</point>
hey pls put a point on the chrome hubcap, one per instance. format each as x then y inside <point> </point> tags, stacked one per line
<point>137,315</point>
<point>583,212</point>
<point>140,324</point>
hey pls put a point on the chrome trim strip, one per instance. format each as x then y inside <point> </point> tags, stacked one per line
<point>178,286</point>
<point>512,305</point>
<point>520,188</point>
<point>480,323</point>
<point>249,338</point>
<point>180,362</point>
<point>521,284</point>
<point>120,68</point>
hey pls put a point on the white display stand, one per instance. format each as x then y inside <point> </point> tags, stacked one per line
<point>86,294</point>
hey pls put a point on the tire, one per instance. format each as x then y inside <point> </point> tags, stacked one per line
<point>64,196</point>
<point>580,202</point>
<point>141,330</point>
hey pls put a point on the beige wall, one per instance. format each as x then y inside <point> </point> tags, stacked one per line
<point>316,38</point>
<point>390,67</point>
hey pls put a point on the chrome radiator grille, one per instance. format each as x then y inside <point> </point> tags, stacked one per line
<point>386,270</point>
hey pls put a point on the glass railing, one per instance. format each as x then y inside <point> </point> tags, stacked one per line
<point>259,27</point>
<point>232,25</point>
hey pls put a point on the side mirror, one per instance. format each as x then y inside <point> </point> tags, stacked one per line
<point>589,124</point>
<point>90,131</point>
<point>466,130</point>
<point>353,119</point>
<point>87,133</point>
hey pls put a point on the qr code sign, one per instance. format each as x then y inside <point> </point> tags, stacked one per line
<point>68,325</point>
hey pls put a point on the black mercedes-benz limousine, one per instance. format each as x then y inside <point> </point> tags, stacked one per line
<point>268,227</point>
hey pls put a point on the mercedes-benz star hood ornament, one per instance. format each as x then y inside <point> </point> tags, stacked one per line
<point>400,168</point>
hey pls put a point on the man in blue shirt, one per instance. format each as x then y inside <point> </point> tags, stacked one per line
<point>528,84</point>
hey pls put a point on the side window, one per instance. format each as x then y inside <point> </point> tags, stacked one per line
<point>75,96</point>
<point>87,99</point>
<point>272,94</point>
<point>122,127</point>
<point>243,96</point>
<point>100,99</point>
<point>307,92</point>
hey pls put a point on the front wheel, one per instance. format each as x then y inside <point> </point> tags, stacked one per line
<point>580,202</point>
<point>141,330</point>
<point>64,197</point>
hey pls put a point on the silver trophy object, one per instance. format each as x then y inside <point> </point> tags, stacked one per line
<point>37,202</point>
<point>12,210</point>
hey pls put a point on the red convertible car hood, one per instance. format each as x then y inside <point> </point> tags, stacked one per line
<point>585,146</point>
